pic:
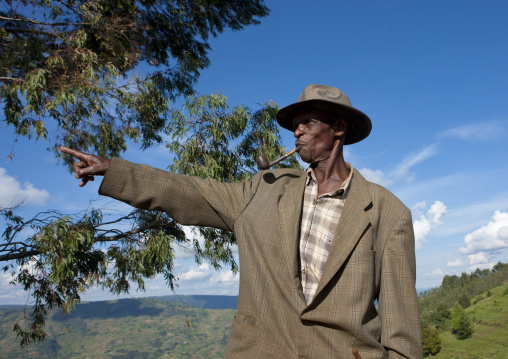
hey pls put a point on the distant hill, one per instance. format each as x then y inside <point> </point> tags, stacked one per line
<point>205,301</point>
<point>165,327</point>
<point>128,328</point>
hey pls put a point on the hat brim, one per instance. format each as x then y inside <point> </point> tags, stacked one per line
<point>359,124</point>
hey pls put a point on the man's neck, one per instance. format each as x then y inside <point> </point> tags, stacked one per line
<point>331,172</point>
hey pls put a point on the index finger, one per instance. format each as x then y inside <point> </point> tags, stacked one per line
<point>78,154</point>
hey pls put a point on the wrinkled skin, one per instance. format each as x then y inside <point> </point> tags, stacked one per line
<point>319,139</point>
<point>88,165</point>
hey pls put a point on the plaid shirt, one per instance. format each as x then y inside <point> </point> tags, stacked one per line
<point>320,217</point>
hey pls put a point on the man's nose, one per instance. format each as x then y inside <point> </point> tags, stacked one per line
<point>298,131</point>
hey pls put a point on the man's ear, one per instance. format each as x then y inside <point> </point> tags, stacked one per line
<point>341,127</point>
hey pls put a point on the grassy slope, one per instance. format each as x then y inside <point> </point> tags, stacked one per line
<point>152,328</point>
<point>146,328</point>
<point>490,338</point>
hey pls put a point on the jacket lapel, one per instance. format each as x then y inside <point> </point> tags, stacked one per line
<point>290,210</point>
<point>353,222</point>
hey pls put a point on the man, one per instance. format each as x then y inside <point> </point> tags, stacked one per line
<point>316,248</point>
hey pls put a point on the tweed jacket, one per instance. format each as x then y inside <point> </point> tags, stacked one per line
<point>372,258</point>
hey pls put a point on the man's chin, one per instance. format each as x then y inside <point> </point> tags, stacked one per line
<point>305,159</point>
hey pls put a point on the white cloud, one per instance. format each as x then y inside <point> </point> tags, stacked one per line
<point>435,273</point>
<point>491,237</point>
<point>225,277</point>
<point>14,293</point>
<point>196,274</point>
<point>420,206</point>
<point>419,209</point>
<point>484,131</point>
<point>401,172</point>
<point>5,279</point>
<point>13,193</point>
<point>376,176</point>
<point>481,266</point>
<point>186,250</point>
<point>478,258</point>
<point>456,263</point>
<point>427,222</point>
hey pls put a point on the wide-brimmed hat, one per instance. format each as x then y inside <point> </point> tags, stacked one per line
<point>334,101</point>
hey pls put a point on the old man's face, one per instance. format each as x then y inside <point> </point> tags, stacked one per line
<point>316,133</point>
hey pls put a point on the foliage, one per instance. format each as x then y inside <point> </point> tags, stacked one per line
<point>100,72</point>
<point>464,301</point>
<point>462,326</point>
<point>93,75</point>
<point>490,320</point>
<point>60,256</point>
<point>441,316</point>
<point>431,341</point>
<point>459,289</point>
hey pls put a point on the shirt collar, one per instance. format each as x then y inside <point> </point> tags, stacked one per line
<point>344,187</point>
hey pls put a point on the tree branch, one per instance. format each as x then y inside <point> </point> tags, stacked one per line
<point>24,19</point>
<point>134,231</point>
<point>113,222</point>
<point>11,79</point>
<point>8,257</point>
<point>32,31</point>
<point>15,244</point>
<point>69,7</point>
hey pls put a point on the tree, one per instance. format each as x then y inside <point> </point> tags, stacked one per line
<point>97,73</point>
<point>64,255</point>
<point>440,316</point>
<point>450,282</point>
<point>464,301</point>
<point>431,341</point>
<point>462,326</point>
<point>92,75</point>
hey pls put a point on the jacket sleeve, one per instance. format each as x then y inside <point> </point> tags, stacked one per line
<point>188,200</point>
<point>398,302</point>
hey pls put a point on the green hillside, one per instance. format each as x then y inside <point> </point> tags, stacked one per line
<point>490,319</point>
<point>126,328</point>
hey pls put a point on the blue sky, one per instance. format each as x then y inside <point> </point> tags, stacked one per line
<point>431,75</point>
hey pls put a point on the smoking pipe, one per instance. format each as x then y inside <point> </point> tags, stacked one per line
<point>263,163</point>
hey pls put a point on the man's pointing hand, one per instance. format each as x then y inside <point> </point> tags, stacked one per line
<point>88,165</point>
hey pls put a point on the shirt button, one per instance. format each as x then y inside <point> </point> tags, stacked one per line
<point>314,202</point>
<point>303,271</point>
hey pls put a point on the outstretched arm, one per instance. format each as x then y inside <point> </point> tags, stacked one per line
<point>88,165</point>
